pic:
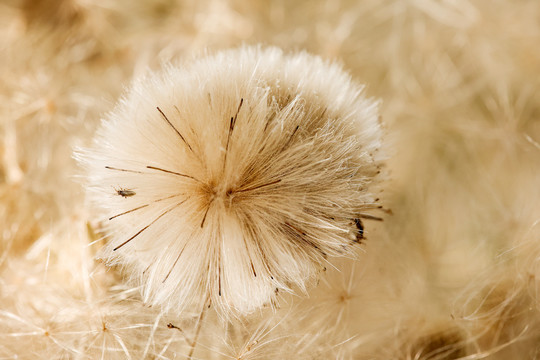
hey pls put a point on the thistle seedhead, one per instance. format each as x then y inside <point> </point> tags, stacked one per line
<point>240,173</point>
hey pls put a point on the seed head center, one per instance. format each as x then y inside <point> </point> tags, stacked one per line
<point>223,193</point>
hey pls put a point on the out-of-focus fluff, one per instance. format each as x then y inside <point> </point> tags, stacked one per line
<point>233,177</point>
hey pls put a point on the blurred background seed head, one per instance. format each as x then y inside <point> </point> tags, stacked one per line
<point>452,273</point>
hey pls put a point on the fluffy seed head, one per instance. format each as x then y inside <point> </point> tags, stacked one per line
<point>234,177</point>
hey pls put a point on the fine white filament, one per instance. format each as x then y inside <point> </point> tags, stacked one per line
<point>233,177</point>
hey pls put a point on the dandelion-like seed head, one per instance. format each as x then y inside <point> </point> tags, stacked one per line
<point>231,178</point>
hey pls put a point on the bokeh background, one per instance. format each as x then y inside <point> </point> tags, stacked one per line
<point>451,273</point>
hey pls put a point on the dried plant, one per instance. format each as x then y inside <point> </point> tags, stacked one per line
<point>234,177</point>
<point>451,273</point>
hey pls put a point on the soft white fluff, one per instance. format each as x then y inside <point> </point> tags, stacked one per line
<point>233,177</point>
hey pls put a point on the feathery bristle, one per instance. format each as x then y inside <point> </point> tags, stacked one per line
<point>241,173</point>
